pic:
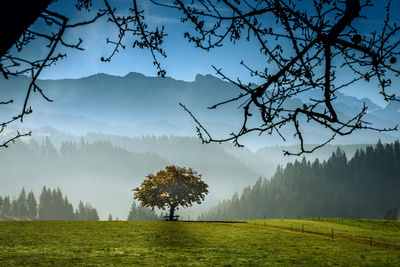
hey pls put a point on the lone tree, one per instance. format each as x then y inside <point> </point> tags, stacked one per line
<point>172,187</point>
<point>306,45</point>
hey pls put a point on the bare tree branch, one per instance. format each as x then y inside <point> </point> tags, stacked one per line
<point>318,39</point>
<point>304,47</point>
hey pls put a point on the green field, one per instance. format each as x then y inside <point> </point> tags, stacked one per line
<point>381,232</point>
<point>279,242</point>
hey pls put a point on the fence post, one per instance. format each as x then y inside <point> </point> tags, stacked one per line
<point>291,228</point>
<point>302,228</point>
<point>332,234</point>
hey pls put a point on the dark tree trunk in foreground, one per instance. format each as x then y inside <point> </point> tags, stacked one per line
<point>20,15</point>
<point>171,213</point>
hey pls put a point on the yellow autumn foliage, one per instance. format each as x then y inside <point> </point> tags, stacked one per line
<point>172,187</point>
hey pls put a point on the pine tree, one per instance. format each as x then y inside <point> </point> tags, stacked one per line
<point>45,200</point>
<point>14,208</point>
<point>91,212</point>
<point>6,209</point>
<point>110,218</point>
<point>48,148</point>
<point>21,209</point>
<point>1,205</point>
<point>67,149</point>
<point>71,212</point>
<point>80,212</point>
<point>139,213</point>
<point>67,210</point>
<point>31,206</point>
<point>57,207</point>
<point>86,212</point>
<point>396,150</point>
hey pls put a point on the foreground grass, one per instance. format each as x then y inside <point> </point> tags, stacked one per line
<point>178,243</point>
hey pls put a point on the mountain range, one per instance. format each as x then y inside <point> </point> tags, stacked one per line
<point>137,105</point>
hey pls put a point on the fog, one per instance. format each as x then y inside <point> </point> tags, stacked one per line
<point>97,144</point>
<point>103,169</point>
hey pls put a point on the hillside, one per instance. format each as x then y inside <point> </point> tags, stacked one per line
<point>365,186</point>
<point>136,105</point>
<point>263,161</point>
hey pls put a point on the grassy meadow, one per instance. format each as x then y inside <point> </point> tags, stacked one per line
<point>279,242</point>
<point>383,232</point>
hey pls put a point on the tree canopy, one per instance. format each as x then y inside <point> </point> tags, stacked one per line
<point>306,47</point>
<point>172,187</point>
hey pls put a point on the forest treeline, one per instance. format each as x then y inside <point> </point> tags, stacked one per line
<point>133,158</point>
<point>106,168</point>
<point>367,186</point>
<point>139,213</point>
<point>52,205</point>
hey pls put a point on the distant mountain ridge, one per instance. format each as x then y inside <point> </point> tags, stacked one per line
<point>137,105</point>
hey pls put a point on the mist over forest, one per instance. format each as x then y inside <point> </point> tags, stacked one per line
<point>103,169</point>
<point>365,186</point>
<point>98,150</point>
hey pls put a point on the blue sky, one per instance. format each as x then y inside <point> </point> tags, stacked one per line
<point>183,60</point>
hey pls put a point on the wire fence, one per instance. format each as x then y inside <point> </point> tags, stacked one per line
<point>374,234</point>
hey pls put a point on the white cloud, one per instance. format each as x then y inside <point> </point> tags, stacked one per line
<point>151,19</point>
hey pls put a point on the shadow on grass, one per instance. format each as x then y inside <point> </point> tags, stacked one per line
<point>215,221</point>
<point>183,234</point>
<point>176,235</point>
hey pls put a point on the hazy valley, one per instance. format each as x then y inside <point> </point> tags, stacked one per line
<point>106,133</point>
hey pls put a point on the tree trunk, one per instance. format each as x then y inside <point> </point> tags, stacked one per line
<point>16,16</point>
<point>171,213</point>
